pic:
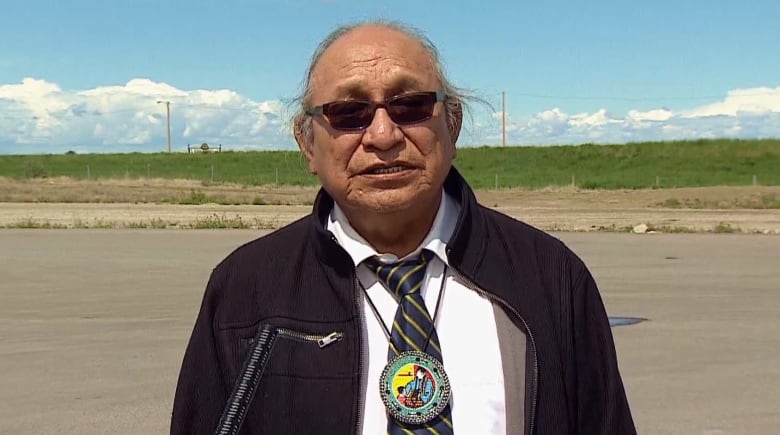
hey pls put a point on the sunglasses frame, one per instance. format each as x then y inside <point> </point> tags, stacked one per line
<point>439,96</point>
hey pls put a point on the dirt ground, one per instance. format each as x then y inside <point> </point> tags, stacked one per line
<point>68,203</point>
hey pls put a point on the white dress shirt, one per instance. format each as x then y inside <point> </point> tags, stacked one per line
<point>465,325</point>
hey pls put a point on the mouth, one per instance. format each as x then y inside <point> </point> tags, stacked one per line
<point>387,169</point>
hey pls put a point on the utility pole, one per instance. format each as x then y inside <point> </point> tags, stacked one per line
<point>503,119</point>
<point>168,113</point>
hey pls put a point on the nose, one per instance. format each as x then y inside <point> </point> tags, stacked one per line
<point>383,132</point>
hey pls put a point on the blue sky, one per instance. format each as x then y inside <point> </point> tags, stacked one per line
<point>572,71</point>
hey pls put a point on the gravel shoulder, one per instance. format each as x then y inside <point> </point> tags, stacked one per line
<point>123,215</point>
<point>65,203</point>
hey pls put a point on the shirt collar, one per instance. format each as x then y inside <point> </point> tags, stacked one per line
<point>435,241</point>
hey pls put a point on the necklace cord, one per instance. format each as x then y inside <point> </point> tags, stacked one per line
<point>435,311</point>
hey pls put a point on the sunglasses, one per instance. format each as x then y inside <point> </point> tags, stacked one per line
<point>352,115</point>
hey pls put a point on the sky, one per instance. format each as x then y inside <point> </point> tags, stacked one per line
<point>86,75</point>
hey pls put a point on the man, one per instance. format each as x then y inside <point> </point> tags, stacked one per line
<point>420,388</point>
<point>303,330</point>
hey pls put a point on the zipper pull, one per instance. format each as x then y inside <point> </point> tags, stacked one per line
<point>330,338</point>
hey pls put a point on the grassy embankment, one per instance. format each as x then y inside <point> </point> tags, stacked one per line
<point>631,166</point>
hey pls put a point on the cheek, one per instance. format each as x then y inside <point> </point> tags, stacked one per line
<point>331,155</point>
<point>436,140</point>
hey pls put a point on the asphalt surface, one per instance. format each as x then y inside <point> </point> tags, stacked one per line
<point>93,325</point>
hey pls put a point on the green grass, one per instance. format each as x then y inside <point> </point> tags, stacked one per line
<point>32,224</point>
<point>671,164</point>
<point>724,228</point>
<point>632,166</point>
<point>214,221</point>
<point>198,197</point>
<point>762,202</point>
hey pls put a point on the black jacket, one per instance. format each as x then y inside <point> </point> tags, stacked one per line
<point>298,278</point>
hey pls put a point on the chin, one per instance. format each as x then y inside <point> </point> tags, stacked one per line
<point>392,201</point>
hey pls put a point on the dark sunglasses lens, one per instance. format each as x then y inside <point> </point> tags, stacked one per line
<point>349,115</point>
<point>412,108</point>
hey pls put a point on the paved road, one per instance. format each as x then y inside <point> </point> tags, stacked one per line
<point>93,325</point>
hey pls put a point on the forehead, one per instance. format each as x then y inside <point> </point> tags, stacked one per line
<point>373,61</point>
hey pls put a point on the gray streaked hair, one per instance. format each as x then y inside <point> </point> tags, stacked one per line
<point>455,104</point>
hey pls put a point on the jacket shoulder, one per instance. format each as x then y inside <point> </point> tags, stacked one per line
<point>255,271</point>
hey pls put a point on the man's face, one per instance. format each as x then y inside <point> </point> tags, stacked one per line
<point>384,167</point>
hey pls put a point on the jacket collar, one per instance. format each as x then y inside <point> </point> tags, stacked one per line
<point>466,247</point>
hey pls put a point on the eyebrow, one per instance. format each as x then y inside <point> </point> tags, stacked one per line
<point>356,88</point>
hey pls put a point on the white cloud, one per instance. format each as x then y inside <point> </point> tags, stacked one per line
<point>599,118</point>
<point>650,115</point>
<point>744,113</point>
<point>38,116</point>
<point>754,100</point>
<point>136,87</point>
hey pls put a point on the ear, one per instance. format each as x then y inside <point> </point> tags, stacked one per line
<point>454,123</point>
<point>303,136</point>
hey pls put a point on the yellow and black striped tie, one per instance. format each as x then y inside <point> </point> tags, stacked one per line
<point>412,327</point>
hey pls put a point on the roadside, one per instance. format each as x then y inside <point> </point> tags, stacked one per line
<point>66,203</point>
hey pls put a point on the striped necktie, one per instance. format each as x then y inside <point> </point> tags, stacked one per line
<point>412,326</point>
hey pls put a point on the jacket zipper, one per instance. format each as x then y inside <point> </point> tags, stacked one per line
<point>506,305</point>
<point>244,387</point>
<point>361,357</point>
<point>321,340</point>
<point>246,384</point>
<point>361,344</point>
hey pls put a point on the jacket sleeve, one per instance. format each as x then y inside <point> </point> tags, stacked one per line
<point>200,393</point>
<point>602,406</point>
